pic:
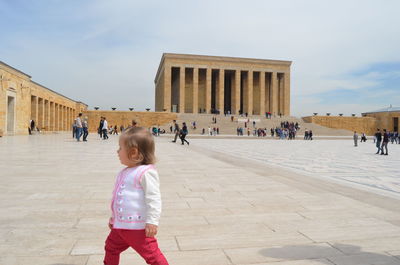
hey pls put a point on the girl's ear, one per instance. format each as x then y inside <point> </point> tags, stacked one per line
<point>133,153</point>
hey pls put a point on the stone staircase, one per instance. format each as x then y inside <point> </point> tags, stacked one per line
<point>227,127</point>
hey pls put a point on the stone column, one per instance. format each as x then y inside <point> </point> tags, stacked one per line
<point>46,115</point>
<point>249,92</point>
<point>274,93</point>
<point>64,113</point>
<point>208,90</point>
<point>182,89</point>
<point>65,118</point>
<point>262,93</point>
<point>56,116</point>
<point>60,121</point>
<point>167,88</point>
<point>280,93</point>
<point>40,122</point>
<point>236,93</point>
<point>34,109</point>
<point>69,119</point>
<point>221,91</point>
<point>67,125</point>
<point>51,116</point>
<point>286,111</point>
<point>61,118</point>
<point>195,90</point>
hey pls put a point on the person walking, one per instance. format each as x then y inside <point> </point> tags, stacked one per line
<point>385,142</point>
<point>378,137</point>
<point>100,129</point>
<point>105,128</point>
<point>355,138</point>
<point>74,129</point>
<point>176,131</point>
<point>182,135</point>
<point>85,129</point>
<point>79,127</point>
<point>136,201</point>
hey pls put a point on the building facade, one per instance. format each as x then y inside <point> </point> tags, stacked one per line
<point>213,84</point>
<point>23,100</point>
<point>387,118</point>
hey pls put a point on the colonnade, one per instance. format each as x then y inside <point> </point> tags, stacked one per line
<point>192,89</point>
<point>50,115</point>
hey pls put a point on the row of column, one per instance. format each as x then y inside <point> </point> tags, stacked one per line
<point>252,92</point>
<point>51,116</point>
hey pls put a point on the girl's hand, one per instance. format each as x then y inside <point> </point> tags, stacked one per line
<point>151,230</point>
<point>110,223</point>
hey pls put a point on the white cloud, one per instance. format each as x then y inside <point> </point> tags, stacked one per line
<point>111,58</point>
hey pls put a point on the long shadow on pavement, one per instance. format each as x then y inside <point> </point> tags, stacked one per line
<point>336,254</point>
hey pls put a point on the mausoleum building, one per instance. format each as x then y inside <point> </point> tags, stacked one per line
<point>213,84</point>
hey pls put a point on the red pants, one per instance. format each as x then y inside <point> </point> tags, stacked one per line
<point>120,239</point>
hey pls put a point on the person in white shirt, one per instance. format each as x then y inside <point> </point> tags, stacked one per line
<point>79,130</point>
<point>105,128</point>
<point>136,200</point>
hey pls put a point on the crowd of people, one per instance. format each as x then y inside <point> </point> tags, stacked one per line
<point>286,130</point>
<point>381,140</point>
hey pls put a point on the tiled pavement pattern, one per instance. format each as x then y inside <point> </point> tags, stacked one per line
<point>217,209</point>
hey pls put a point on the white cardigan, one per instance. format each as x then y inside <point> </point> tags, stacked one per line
<point>136,198</point>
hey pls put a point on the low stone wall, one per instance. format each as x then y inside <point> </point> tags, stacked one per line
<point>366,125</point>
<point>124,118</point>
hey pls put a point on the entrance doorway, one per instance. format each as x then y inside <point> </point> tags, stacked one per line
<point>395,124</point>
<point>10,114</point>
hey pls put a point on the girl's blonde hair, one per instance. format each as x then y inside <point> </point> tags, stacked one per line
<point>140,138</point>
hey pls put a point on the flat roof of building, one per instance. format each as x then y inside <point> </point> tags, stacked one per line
<point>217,58</point>
<point>388,109</point>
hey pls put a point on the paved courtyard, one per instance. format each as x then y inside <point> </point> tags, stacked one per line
<point>335,160</point>
<point>218,207</point>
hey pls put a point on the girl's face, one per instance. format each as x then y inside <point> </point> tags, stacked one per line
<point>125,157</point>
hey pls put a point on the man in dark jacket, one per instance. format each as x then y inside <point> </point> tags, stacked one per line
<point>176,131</point>
<point>385,142</point>
<point>378,137</point>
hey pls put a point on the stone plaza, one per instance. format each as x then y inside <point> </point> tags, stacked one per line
<point>225,201</point>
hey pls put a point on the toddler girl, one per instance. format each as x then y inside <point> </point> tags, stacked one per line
<point>136,201</point>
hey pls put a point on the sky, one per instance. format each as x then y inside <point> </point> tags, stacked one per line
<point>345,54</point>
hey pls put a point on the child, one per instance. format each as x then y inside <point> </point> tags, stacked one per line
<point>136,200</point>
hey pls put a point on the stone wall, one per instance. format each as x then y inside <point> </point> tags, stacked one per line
<point>30,100</point>
<point>124,118</point>
<point>366,125</point>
